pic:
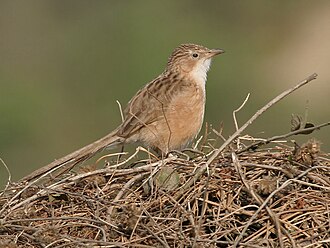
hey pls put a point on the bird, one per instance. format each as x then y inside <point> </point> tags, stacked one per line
<point>165,115</point>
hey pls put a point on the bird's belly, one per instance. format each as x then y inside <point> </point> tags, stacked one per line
<point>181,122</point>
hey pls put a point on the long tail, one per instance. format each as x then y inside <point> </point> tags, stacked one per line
<point>77,156</point>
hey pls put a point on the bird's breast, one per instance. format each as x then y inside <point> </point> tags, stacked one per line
<point>185,116</point>
<point>179,118</point>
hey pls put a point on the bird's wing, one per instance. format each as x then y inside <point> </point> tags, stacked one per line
<point>148,105</point>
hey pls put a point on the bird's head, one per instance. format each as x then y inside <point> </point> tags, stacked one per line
<point>192,60</point>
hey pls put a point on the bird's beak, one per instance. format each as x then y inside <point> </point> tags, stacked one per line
<point>215,52</point>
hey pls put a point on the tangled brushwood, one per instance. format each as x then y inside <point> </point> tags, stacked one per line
<point>270,197</point>
<point>244,193</point>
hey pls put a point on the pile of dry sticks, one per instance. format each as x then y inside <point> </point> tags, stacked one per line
<point>245,193</point>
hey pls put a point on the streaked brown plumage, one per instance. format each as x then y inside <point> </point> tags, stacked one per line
<point>166,114</point>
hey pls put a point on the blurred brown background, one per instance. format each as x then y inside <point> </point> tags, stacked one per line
<point>63,65</point>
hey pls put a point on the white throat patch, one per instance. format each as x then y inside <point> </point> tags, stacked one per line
<point>199,73</point>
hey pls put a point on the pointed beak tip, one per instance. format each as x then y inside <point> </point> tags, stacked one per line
<point>218,51</point>
<point>215,52</point>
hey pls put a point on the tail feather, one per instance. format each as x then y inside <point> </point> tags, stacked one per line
<point>78,156</point>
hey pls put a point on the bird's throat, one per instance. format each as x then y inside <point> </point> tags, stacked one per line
<point>199,73</point>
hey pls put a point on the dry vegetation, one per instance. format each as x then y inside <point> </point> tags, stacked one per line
<point>247,193</point>
<point>257,197</point>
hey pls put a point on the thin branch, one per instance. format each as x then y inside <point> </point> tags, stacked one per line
<point>283,136</point>
<point>9,175</point>
<point>238,109</point>
<point>110,155</point>
<point>259,113</point>
<point>121,111</point>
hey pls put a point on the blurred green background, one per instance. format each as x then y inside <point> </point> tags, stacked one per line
<point>63,65</point>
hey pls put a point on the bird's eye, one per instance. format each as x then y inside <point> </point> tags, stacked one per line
<point>195,55</point>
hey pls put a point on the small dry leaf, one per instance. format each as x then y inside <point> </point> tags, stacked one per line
<point>94,179</point>
<point>58,197</point>
<point>297,122</point>
<point>266,185</point>
<point>127,216</point>
<point>167,178</point>
<point>308,152</point>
